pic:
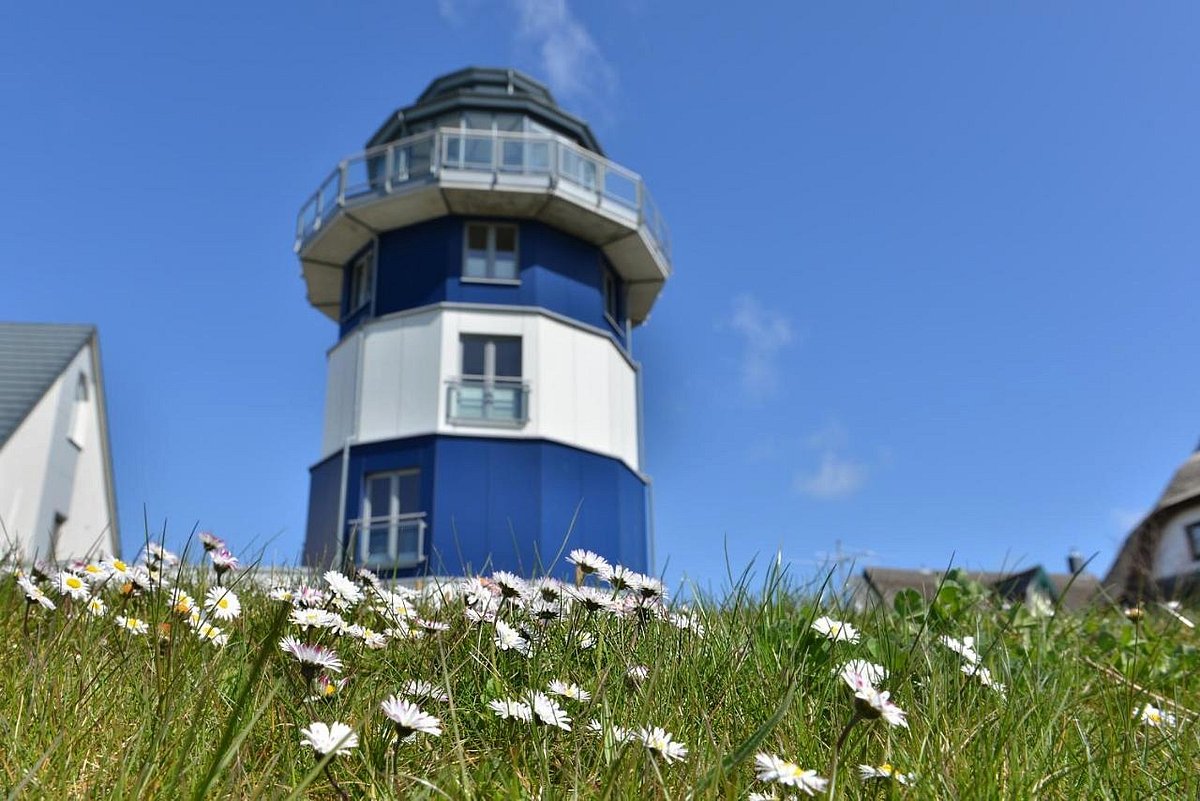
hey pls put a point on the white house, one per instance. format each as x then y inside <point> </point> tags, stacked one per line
<point>1161,556</point>
<point>56,487</point>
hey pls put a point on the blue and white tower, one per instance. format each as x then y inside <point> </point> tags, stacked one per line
<point>485,264</point>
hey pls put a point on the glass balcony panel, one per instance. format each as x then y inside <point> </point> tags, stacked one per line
<point>479,152</point>
<point>452,155</point>
<point>358,178</point>
<point>408,545</point>
<point>329,197</point>
<point>512,155</point>
<point>379,543</point>
<point>621,188</point>
<point>505,405</point>
<point>470,402</point>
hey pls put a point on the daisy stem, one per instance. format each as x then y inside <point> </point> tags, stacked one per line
<point>334,784</point>
<point>25,620</point>
<point>837,747</point>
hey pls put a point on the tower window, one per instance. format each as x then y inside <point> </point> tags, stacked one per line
<point>612,296</point>
<point>362,281</point>
<point>392,527</point>
<point>490,253</point>
<point>491,389</point>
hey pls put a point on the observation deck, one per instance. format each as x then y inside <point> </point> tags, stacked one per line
<point>524,175</point>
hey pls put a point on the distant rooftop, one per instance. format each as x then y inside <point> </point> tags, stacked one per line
<point>32,356</point>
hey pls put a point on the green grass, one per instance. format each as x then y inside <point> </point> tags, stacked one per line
<point>89,711</point>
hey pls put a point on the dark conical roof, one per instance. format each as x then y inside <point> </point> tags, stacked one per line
<point>495,89</point>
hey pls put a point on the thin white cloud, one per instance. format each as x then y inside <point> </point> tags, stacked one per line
<point>455,12</point>
<point>764,334</point>
<point>836,477</point>
<point>568,56</point>
<point>1126,519</point>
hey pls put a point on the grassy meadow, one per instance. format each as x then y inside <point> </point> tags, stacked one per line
<point>155,682</point>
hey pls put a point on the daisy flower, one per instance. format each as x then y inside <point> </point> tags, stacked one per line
<point>326,687</point>
<point>511,710</point>
<point>651,587</point>
<point>622,578</point>
<point>423,689</point>
<point>859,673</point>
<point>585,641</point>
<point>282,594</point>
<point>510,584</point>
<point>96,607</point>
<point>311,657</point>
<point>508,639</point>
<point>223,560</point>
<point>115,567</point>
<point>592,599</point>
<point>34,593</point>
<point>884,771</point>
<point>1150,715</point>
<point>659,743</point>
<point>547,711</point>
<point>210,541</point>
<point>572,691</point>
<point>344,590</point>
<point>637,674</point>
<point>964,648</point>
<point>310,596</point>
<point>181,602</point>
<point>373,639</point>
<point>984,675</point>
<point>307,618</point>
<point>93,572</point>
<point>210,633</point>
<point>133,625</point>
<point>619,734</point>
<point>687,621</point>
<point>223,603</point>
<point>872,703</point>
<point>432,626</point>
<point>72,585</point>
<point>589,563</point>
<point>546,611</point>
<point>835,630</point>
<point>335,738</point>
<point>409,718</point>
<point>770,768</point>
<point>157,553</point>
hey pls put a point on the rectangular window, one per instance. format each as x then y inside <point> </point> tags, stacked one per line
<point>392,527</point>
<point>490,252</point>
<point>491,388</point>
<point>1193,537</point>
<point>612,296</point>
<point>362,281</point>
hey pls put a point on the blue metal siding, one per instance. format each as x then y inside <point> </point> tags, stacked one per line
<point>422,264</point>
<point>324,496</point>
<point>505,504</point>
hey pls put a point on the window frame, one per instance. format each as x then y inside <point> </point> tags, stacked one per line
<point>367,261</point>
<point>611,286</point>
<point>490,266</point>
<point>1192,532</point>
<point>395,519</point>
<point>488,382</point>
<point>80,412</point>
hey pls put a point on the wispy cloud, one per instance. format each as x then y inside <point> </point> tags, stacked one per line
<point>566,55</point>
<point>764,334</point>
<point>1126,519</point>
<point>837,477</point>
<point>569,57</point>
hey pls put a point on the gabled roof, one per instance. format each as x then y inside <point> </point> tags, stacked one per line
<point>32,356</point>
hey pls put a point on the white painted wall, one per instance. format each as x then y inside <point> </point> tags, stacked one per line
<point>583,391</point>
<point>1174,554</point>
<point>53,465</point>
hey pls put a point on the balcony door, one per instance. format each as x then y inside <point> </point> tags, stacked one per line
<point>491,387</point>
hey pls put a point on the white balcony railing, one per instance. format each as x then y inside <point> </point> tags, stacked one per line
<point>476,400</point>
<point>401,165</point>
<point>394,541</point>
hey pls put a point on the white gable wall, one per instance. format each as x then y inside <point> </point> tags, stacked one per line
<point>1174,554</point>
<point>54,464</point>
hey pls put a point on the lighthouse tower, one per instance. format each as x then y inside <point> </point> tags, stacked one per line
<point>485,264</point>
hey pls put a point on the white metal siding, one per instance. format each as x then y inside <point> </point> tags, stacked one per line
<point>583,391</point>
<point>1174,556</point>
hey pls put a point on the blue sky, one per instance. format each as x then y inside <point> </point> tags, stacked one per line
<point>935,282</point>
